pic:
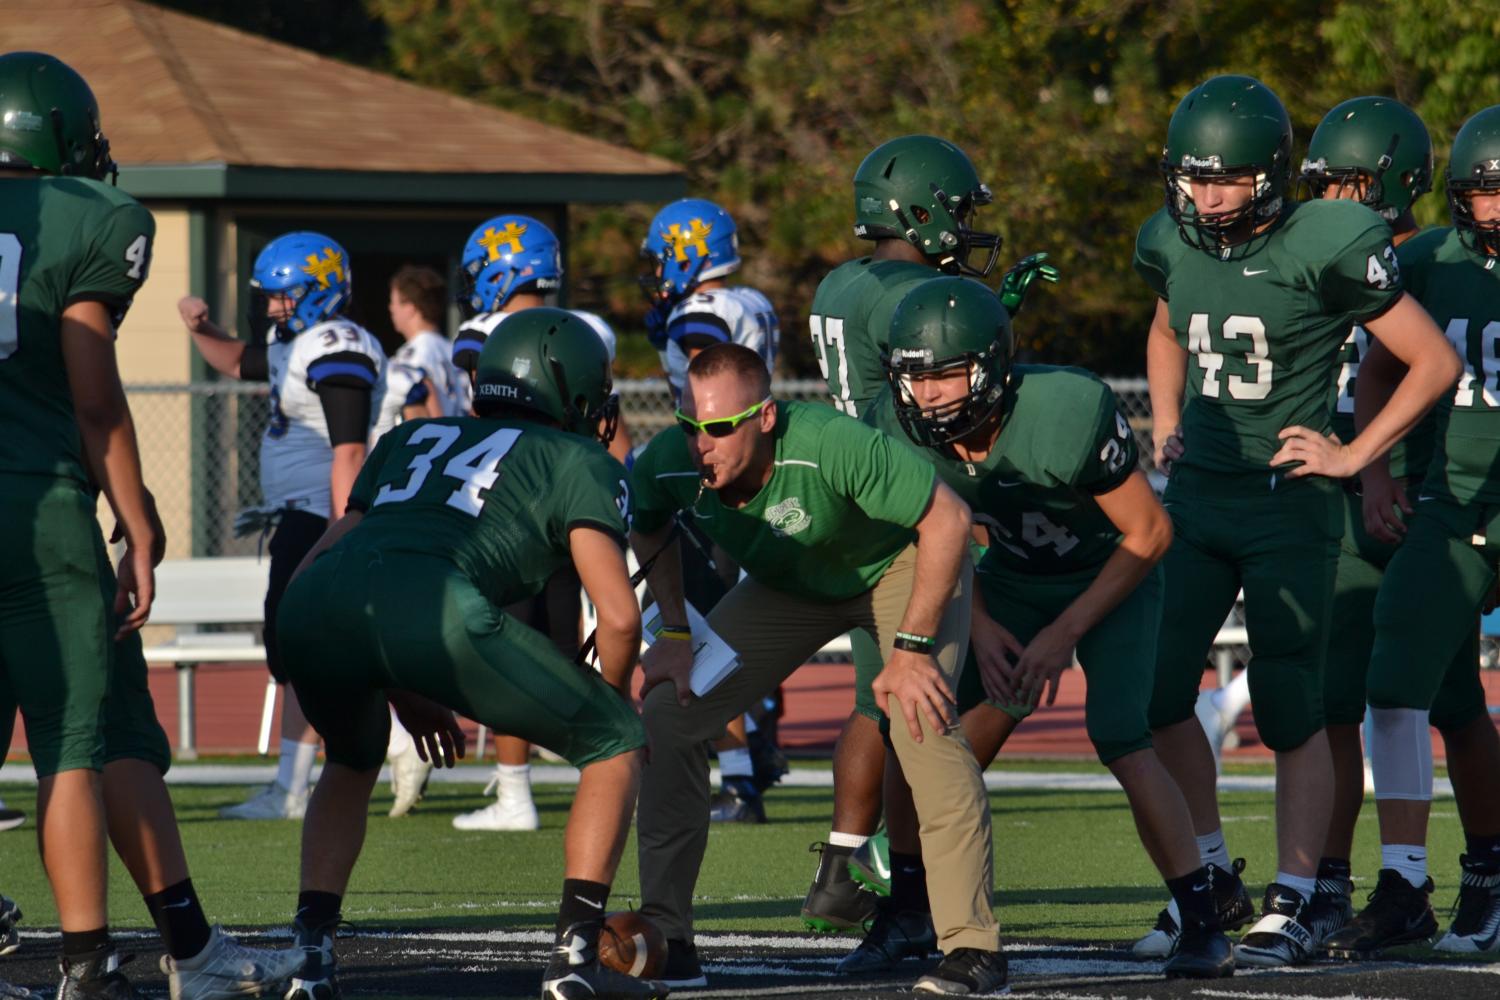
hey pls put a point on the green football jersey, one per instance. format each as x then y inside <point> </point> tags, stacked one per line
<point>1263,330</point>
<point>1461,290</point>
<point>62,240</point>
<point>495,497</point>
<point>839,507</point>
<point>1063,441</point>
<point>851,314</point>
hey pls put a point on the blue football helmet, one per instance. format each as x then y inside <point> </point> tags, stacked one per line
<point>690,241</point>
<point>311,268</point>
<point>503,256</point>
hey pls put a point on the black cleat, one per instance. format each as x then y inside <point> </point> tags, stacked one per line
<point>682,970</point>
<point>737,802</point>
<point>1203,952</point>
<point>319,979</point>
<point>967,972</point>
<point>767,759</point>
<point>10,915</point>
<point>574,973</point>
<point>835,902</point>
<point>1231,897</point>
<point>1476,920</point>
<point>1398,913</point>
<point>893,935</point>
<point>1331,909</point>
<point>95,976</point>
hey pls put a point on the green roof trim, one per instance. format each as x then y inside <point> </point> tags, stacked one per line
<point>222,181</point>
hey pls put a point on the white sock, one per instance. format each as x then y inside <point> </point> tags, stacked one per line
<point>514,781</point>
<point>736,764</point>
<point>853,841</point>
<point>294,769</point>
<point>1408,859</point>
<point>1306,885</point>
<point>1212,849</point>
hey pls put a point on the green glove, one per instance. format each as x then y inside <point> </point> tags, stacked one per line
<point>1019,278</point>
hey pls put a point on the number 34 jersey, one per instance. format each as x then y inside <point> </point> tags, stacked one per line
<point>495,497</point>
<point>62,240</point>
<point>1063,441</point>
<point>1461,289</point>
<point>296,453</point>
<point>1263,330</point>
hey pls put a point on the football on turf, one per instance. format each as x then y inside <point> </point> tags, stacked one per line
<point>631,944</point>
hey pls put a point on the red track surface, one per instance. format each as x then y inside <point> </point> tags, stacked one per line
<point>818,699</point>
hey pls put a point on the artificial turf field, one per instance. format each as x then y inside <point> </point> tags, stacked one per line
<point>439,913</point>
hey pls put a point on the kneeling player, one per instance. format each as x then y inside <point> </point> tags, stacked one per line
<point>1048,464</point>
<point>449,521</point>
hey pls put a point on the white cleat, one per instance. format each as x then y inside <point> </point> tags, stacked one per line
<point>408,780</point>
<point>272,802</point>
<point>505,813</point>
<point>226,969</point>
<point>1161,940</point>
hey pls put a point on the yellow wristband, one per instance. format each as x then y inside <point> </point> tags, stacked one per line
<point>679,634</point>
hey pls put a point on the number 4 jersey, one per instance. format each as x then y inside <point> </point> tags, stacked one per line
<point>1461,289</point>
<point>1263,330</point>
<point>64,240</point>
<point>496,498</point>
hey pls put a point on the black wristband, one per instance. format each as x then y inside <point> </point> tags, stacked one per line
<point>913,645</point>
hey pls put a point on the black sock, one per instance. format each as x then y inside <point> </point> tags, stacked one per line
<point>179,919</point>
<point>1334,875</point>
<point>909,883</point>
<point>318,909</point>
<point>1195,898</point>
<point>833,866</point>
<point>77,944</point>
<point>1483,850</point>
<point>582,901</point>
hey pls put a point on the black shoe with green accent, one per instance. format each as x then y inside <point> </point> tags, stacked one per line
<point>1398,913</point>
<point>892,936</point>
<point>835,902</point>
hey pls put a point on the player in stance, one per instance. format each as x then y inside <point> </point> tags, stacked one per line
<point>449,521</point>
<point>837,527</point>
<point>691,248</point>
<point>509,264</point>
<point>76,252</point>
<point>1256,298</point>
<point>326,373</point>
<point>1423,668</point>
<point>1048,464</point>
<point>915,199</point>
<point>1376,151</point>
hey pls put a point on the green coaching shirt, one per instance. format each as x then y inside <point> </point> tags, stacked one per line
<point>839,507</point>
<point>851,319</point>
<point>1461,289</point>
<point>1062,442</point>
<point>62,240</point>
<point>495,497</point>
<point>1263,329</point>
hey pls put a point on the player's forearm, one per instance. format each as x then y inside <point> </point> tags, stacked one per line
<point>619,649</point>
<point>1121,573</point>
<point>113,455</point>
<point>1166,378</point>
<point>219,348</point>
<point>347,460</point>
<point>665,576</point>
<point>1384,415</point>
<point>942,546</point>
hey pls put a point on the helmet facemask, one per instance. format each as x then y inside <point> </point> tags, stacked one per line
<point>942,425</point>
<point>957,240</point>
<point>1218,233</point>
<point>1479,237</point>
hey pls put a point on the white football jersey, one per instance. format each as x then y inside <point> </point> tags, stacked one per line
<point>474,332</point>
<point>425,356</point>
<point>295,453</point>
<point>739,315</point>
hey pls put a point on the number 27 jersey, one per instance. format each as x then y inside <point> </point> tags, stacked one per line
<point>495,497</point>
<point>1263,330</point>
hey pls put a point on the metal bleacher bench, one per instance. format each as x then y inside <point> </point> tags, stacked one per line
<point>191,594</point>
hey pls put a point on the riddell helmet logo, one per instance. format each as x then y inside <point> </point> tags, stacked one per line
<point>1214,162</point>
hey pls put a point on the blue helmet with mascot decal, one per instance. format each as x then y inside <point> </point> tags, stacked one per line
<point>311,269</point>
<point>506,255</point>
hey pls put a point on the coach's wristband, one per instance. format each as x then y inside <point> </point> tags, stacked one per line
<point>680,633</point>
<point>913,643</point>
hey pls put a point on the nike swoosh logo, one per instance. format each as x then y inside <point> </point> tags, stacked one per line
<point>1416,857</point>
<point>589,902</point>
<point>1005,486</point>
<point>1202,888</point>
<point>177,906</point>
<point>1423,497</point>
<point>1250,274</point>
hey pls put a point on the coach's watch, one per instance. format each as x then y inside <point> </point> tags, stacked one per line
<point>913,643</point>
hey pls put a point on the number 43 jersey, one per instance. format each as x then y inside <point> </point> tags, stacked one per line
<point>1263,329</point>
<point>296,453</point>
<point>496,498</point>
<point>62,240</point>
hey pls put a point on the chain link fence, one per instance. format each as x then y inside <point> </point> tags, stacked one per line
<point>200,444</point>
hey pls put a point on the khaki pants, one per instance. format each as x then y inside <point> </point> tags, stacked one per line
<point>775,633</point>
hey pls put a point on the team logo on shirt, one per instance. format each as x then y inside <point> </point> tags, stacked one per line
<point>332,262</point>
<point>510,236</point>
<point>787,518</point>
<point>696,237</point>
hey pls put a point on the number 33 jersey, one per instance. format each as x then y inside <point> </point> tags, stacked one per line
<point>495,497</point>
<point>296,453</point>
<point>62,240</point>
<point>1263,329</point>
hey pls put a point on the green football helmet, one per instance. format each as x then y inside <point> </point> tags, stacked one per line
<point>1475,166</point>
<point>924,190</point>
<point>1375,140</point>
<point>941,325</point>
<point>1228,126</point>
<point>49,120</point>
<point>551,362</point>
